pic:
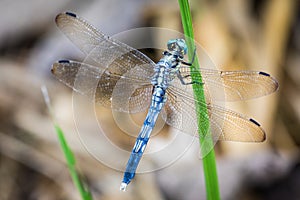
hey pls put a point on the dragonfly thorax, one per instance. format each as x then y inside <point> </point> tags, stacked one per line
<point>166,70</point>
<point>168,66</point>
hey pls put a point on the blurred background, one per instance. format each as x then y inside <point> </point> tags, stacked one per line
<point>259,35</point>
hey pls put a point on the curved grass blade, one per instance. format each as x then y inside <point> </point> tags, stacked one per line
<point>69,156</point>
<point>209,162</point>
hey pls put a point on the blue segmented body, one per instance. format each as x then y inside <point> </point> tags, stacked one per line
<point>165,71</point>
<point>157,103</point>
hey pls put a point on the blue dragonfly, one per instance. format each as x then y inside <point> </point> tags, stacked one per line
<point>129,81</point>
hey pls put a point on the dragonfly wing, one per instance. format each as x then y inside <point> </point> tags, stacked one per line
<point>233,126</point>
<point>101,50</point>
<point>180,112</point>
<point>99,84</point>
<point>235,85</point>
<point>128,95</point>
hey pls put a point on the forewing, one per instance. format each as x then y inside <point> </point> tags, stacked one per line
<point>99,47</point>
<point>98,84</point>
<point>101,50</point>
<point>234,85</point>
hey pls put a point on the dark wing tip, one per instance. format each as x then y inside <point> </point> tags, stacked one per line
<point>71,14</point>
<point>64,61</point>
<point>263,138</point>
<point>66,13</point>
<point>264,74</point>
<point>255,122</point>
<point>274,80</point>
<point>55,65</point>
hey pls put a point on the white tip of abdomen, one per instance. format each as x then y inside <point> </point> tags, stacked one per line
<point>123,186</point>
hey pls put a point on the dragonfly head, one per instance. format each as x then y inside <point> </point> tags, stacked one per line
<point>177,46</point>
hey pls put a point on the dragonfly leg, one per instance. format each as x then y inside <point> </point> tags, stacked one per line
<point>190,63</point>
<point>183,82</point>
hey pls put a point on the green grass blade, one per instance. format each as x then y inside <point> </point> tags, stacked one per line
<point>71,162</point>
<point>209,161</point>
<point>69,156</point>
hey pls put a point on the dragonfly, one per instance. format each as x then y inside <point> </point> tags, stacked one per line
<point>129,81</point>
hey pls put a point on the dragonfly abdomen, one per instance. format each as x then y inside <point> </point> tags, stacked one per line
<point>157,103</point>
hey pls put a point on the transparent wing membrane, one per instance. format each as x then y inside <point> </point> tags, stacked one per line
<point>98,85</point>
<point>180,113</point>
<point>111,60</point>
<point>101,50</point>
<point>234,85</point>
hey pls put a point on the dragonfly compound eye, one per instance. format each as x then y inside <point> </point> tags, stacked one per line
<point>181,46</point>
<point>177,45</point>
<point>171,45</point>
